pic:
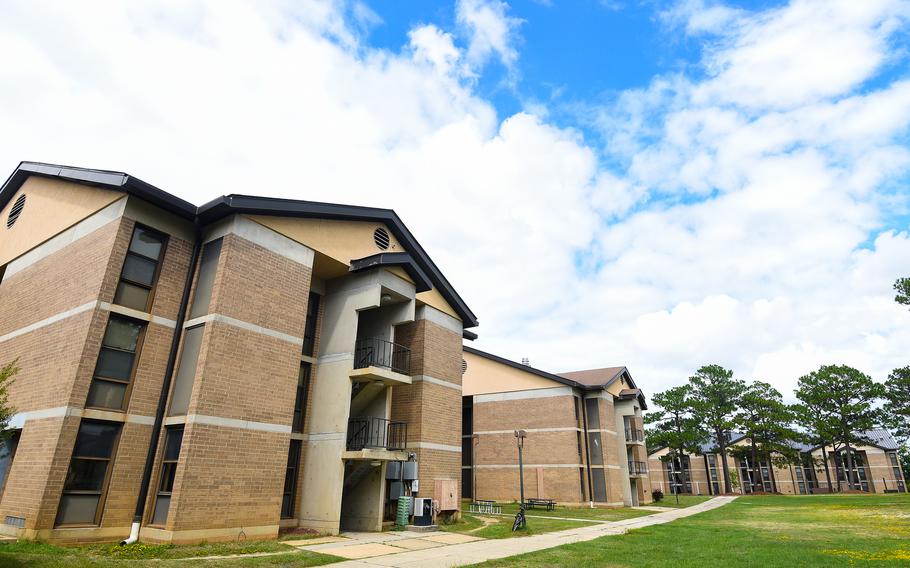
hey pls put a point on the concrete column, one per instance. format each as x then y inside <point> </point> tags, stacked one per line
<point>323,470</point>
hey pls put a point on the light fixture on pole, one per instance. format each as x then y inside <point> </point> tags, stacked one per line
<point>520,523</point>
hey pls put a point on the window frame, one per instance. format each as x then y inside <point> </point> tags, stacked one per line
<point>165,240</point>
<point>302,398</point>
<point>136,354</point>
<point>105,483</point>
<point>296,478</point>
<point>309,342</point>
<point>17,436</point>
<point>165,462</point>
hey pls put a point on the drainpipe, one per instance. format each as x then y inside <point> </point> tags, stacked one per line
<point>162,397</point>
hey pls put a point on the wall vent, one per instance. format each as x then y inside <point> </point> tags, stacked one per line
<point>18,522</point>
<point>15,211</point>
<point>381,238</point>
<point>464,366</point>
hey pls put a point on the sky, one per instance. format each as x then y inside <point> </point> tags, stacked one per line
<point>655,184</point>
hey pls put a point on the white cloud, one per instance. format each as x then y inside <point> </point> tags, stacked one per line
<point>740,220</point>
<point>491,32</point>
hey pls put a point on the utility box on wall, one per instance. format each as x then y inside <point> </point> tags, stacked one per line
<point>409,470</point>
<point>446,491</point>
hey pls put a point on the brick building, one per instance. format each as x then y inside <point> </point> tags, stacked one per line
<point>585,441</point>
<point>220,371</point>
<point>876,469</point>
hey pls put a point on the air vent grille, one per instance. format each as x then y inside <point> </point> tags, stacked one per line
<point>381,238</point>
<point>464,366</point>
<point>15,211</point>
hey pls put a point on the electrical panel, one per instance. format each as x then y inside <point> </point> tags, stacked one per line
<point>409,470</point>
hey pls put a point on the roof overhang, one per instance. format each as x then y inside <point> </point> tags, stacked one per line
<point>402,260</point>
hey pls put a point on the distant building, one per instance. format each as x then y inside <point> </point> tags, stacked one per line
<point>308,346</point>
<point>876,469</point>
<point>585,440</point>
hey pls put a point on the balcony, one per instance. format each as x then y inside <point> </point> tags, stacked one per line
<point>638,468</point>
<point>635,436</point>
<point>380,360</point>
<point>370,432</point>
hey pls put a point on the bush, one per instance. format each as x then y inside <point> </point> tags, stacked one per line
<point>658,495</point>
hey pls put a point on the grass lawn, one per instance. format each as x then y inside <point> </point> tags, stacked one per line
<point>596,514</point>
<point>469,524</point>
<point>39,555</point>
<point>760,531</point>
<point>684,501</point>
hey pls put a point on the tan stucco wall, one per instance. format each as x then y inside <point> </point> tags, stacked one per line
<point>51,206</point>
<point>485,376</point>
<point>340,242</point>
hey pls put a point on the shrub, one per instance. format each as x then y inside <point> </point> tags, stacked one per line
<point>658,495</point>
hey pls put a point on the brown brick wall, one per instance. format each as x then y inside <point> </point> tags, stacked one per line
<point>228,477</point>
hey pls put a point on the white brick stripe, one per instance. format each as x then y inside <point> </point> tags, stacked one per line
<point>435,381</point>
<point>432,446</point>
<point>236,423</point>
<point>48,321</point>
<point>19,420</point>
<point>86,307</point>
<point>540,465</point>
<point>65,238</point>
<point>523,395</point>
<point>510,432</point>
<point>243,325</point>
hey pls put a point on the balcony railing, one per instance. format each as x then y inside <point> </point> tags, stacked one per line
<point>377,433</point>
<point>638,468</point>
<point>375,352</point>
<point>635,435</point>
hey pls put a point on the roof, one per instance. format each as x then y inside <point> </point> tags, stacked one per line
<point>230,204</point>
<point>880,438</point>
<point>595,377</point>
<point>562,378</point>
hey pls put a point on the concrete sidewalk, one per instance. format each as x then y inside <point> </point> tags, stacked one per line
<point>390,549</point>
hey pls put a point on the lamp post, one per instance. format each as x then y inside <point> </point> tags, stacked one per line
<point>520,436</point>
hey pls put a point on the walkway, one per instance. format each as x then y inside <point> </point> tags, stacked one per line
<point>406,550</point>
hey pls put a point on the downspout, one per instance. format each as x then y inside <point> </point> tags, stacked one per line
<point>165,389</point>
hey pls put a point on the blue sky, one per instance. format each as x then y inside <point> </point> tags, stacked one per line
<point>659,185</point>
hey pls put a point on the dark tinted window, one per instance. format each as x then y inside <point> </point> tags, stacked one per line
<point>89,471</point>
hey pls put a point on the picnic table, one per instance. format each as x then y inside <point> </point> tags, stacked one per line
<point>550,504</point>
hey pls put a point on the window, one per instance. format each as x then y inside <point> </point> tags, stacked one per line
<point>600,485</point>
<point>186,371</point>
<point>467,415</point>
<point>116,364</point>
<point>205,282</point>
<point>173,441</point>
<point>290,480</point>
<point>895,464</point>
<point>577,410</point>
<point>303,387</point>
<point>88,475</point>
<point>140,269</point>
<point>7,454</point>
<point>578,441</point>
<point>712,473</point>
<point>581,482</point>
<point>309,331</point>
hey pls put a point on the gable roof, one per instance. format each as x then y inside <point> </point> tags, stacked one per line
<point>230,204</point>
<point>566,378</point>
<point>595,377</point>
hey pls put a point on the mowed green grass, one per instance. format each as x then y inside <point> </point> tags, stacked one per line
<point>761,531</point>
<point>595,514</point>
<point>41,555</point>
<point>684,501</point>
<point>471,524</point>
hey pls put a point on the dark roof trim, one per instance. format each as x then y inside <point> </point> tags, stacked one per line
<point>401,259</point>
<point>469,335</point>
<point>230,204</point>
<point>525,368</point>
<point>98,178</point>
